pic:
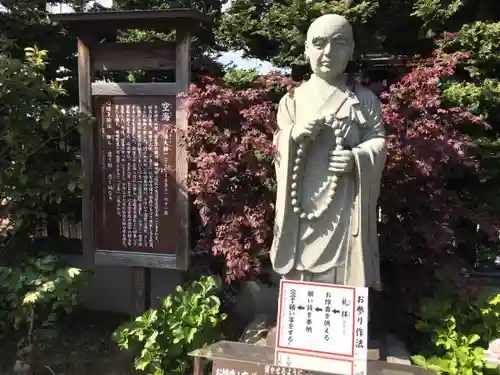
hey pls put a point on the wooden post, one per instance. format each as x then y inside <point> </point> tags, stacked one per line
<point>199,365</point>
<point>87,151</point>
<point>141,278</point>
<point>182,79</point>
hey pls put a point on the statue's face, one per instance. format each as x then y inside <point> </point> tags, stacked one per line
<point>329,46</point>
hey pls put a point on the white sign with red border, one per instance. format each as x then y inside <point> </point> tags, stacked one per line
<point>322,327</point>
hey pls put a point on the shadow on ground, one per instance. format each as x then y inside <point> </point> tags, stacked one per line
<point>84,347</point>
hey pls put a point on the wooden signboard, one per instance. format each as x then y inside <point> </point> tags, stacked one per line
<point>135,185</point>
<point>236,358</point>
<point>135,202</point>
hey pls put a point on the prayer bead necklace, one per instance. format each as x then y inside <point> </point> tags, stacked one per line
<point>297,175</point>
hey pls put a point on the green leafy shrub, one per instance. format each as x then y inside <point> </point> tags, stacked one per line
<point>240,79</point>
<point>460,329</point>
<point>40,173</point>
<point>32,295</point>
<point>186,320</point>
<point>478,88</point>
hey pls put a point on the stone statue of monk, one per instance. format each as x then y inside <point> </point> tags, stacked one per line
<point>331,151</point>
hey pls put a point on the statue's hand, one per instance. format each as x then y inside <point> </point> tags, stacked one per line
<point>341,161</point>
<point>308,130</point>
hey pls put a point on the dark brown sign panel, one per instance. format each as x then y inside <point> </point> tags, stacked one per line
<point>135,185</point>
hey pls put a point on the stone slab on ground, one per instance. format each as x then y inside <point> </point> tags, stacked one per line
<point>395,351</point>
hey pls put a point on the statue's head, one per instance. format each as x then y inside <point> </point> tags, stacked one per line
<point>329,46</point>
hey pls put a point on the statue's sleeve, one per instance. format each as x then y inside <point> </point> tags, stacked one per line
<point>374,125</point>
<point>373,141</point>
<point>286,120</point>
<point>285,223</point>
<point>370,157</point>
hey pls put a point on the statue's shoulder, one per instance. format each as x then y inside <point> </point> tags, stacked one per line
<point>293,89</point>
<point>288,100</point>
<point>366,96</point>
<point>287,103</point>
<point>370,103</point>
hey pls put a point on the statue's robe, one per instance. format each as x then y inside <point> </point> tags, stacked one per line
<point>346,235</point>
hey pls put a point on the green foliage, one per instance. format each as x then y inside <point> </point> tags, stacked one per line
<point>205,38</point>
<point>276,31</point>
<point>26,23</point>
<point>481,40</point>
<point>161,338</point>
<point>204,49</point>
<point>38,167</point>
<point>434,13</point>
<point>482,98</point>
<point>460,329</point>
<point>240,79</point>
<point>33,294</point>
<point>477,88</point>
<point>479,91</point>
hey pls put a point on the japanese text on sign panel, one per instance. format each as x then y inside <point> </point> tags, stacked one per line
<point>133,164</point>
<point>334,365</point>
<point>268,370</point>
<point>324,320</point>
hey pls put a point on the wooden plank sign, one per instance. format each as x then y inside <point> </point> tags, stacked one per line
<point>135,199</point>
<point>135,185</point>
<point>232,367</point>
<point>133,56</point>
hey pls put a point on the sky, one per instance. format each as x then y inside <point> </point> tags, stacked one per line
<point>234,57</point>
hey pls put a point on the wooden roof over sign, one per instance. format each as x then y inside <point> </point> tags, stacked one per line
<point>109,21</point>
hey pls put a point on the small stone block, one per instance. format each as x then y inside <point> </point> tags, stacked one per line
<point>373,350</point>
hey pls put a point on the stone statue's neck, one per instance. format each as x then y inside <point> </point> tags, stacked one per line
<point>336,82</point>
